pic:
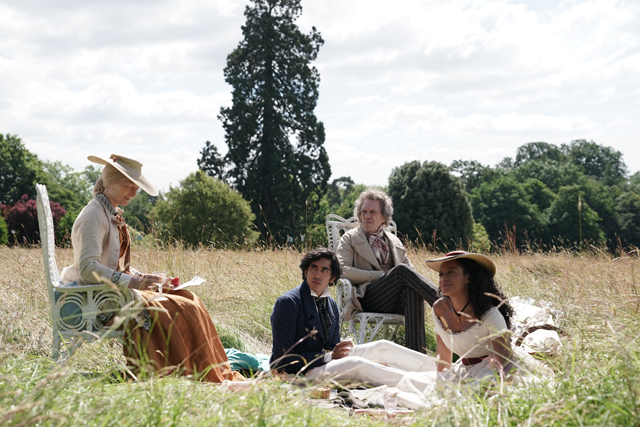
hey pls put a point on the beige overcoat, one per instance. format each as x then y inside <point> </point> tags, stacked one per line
<point>360,266</point>
<point>96,247</point>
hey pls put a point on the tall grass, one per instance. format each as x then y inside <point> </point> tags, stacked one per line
<point>597,372</point>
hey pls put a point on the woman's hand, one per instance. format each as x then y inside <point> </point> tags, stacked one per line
<point>146,282</point>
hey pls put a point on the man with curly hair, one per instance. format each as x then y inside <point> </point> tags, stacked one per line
<point>306,336</point>
<point>376,263</point>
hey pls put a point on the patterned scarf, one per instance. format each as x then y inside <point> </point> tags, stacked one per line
<point>379,245</point>
<point>325,321</point>
<point>125,242</point>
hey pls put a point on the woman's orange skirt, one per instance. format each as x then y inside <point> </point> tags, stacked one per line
<point>182,337</point>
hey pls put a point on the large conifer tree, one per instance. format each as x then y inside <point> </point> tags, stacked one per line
<point>276,156</point>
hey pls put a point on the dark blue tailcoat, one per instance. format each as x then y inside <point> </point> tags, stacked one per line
<point>294,316</point>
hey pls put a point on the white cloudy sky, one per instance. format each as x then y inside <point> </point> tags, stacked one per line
<point>404,80</point>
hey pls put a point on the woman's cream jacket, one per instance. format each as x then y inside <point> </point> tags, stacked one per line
<point>96,247</point>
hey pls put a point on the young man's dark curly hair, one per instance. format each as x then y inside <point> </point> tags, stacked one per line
<point>320,253</point>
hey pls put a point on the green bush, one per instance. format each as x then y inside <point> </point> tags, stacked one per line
<point>480,241</point>
<point>503,207</point>
<point>4,232</point>
<point>428,199</point>
<point>204,210</point>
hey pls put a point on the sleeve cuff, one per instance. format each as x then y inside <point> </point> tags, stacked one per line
<point>327,357</point>
<point>120,278</point>
<point>125,279</point>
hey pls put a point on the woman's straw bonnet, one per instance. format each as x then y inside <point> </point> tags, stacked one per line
<point>484,261</point>
<point>130,168</point>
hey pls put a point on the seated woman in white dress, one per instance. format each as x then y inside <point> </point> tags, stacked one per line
<point>472,318</point>
<point>170,333</point>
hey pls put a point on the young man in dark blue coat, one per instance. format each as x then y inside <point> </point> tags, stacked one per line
<point>306,334</point>
<point>308,313</point>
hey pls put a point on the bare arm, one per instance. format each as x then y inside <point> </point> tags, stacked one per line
<point>503,354</point>
<point>443,354</point>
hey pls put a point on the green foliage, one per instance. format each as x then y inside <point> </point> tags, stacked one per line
<point>602,199</point>
<point>91,174</point>
<point>538,151</point>
<point>505,164</point>
<point>342,196</point>
<point>628,211</point>
<point>538,194</point>
<point>473,173</point>
<point>18,170</point>
<point>572,217</point>
<point>340,199</point>
<point>480,241</point>
<point>276,157</point>
<point>502,205</point>
<point>204,210</point>
<point>634,183</point>
<point>428,199</point>
<point>596,161</point>
<point>4,232</point>
<point>138,210</point>
<point>525,193</point>
<point>551,173</point>
<point>211,162</point>
<point>64,227</point>
<point>64,185</point>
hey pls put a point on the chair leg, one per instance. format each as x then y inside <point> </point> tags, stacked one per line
<point>385,332</point>
<point>362,338</point>
<point>352,330</point>
<point>394,334</point>
<point>375,329</point>
<point>55,355</point>
<point>74,344</point>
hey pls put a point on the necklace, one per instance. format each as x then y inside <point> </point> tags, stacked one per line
<point>458,313</point>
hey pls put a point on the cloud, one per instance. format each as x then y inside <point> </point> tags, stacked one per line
<point>410,80</point>
<point>364,100</point>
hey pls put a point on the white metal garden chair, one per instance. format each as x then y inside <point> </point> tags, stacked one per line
<point>76,309</point>
<point>364,326</point>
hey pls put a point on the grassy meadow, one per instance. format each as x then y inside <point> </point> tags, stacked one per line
<point>597,372</point>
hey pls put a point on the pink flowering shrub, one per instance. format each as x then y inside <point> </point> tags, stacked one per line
<point>22,220</point>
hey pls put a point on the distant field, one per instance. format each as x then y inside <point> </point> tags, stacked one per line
<point>597,374</point>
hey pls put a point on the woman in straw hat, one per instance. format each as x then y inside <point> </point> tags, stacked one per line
<point>174,332</point>
<point>472,319</point>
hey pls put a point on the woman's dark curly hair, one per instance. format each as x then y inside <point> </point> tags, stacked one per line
<point>480,284</point>
<point>319,253</point>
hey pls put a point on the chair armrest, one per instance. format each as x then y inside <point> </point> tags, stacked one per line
<point>74,287</point>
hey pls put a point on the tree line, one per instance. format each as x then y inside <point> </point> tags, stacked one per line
<point>545,197</point>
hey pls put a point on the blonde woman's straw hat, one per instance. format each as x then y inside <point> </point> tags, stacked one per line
<point>130,168</point>
<point>484,261</point>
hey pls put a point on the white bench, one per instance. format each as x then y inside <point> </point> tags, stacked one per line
<point>364,326</point>
<point>76,309</point>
